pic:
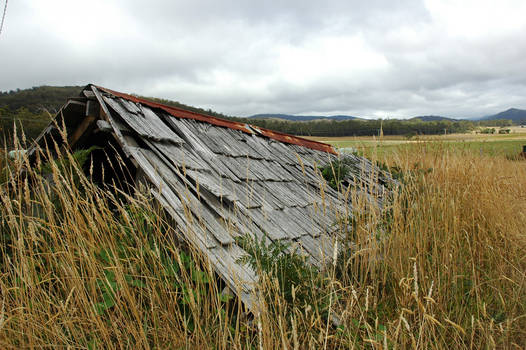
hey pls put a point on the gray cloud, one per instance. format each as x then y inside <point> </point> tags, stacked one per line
<point>375,58</point>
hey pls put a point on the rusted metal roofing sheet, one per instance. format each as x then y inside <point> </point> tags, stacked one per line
<point>249,129</point>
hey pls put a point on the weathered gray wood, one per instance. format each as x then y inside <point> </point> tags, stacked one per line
<point>283,219</point>
<point>321,248</point>
<point>189,233</point>
<point>301,217</point>
<point>181,156</point>
<point>158,127</point>
<point>279,171</point>
<point>240,275</point>
<point>300,193</point>
<point>264,147</point>
<point>235,134</point>
<point>234,169</point>
<point>175,199</point>
<point>265,196</point>
<point>264,220</point>
<point>209,136</point>
<point>211,223</point>
<point>282,152</point>
<point>189,136</point>
<point>106,114</point>
<point>185,174</point>
<point>203,179</point>
<point>146,123</point>
<point>232,147</point>
<point>258,148</point>
<point>130,106</point>
<point>89,94</point>
<point>240,278</point>
<point>72,102</point>
<point>280,193</point>
<point>104,126</point>
<point>217,165</point>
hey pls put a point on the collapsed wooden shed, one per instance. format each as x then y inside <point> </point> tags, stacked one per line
<point>218,179</point>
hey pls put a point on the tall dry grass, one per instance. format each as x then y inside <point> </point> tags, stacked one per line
<point>444,267</point>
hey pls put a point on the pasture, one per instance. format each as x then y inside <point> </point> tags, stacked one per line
<point>386,147</point>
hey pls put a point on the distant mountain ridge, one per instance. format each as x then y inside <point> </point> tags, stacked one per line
<point>514,114</point>
<point>301,118</point>
<point>434,118</point>
<point>304,118</point>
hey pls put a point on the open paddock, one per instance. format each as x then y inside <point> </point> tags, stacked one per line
<point>507,145</point>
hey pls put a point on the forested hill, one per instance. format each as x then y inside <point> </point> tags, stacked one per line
<point>37,99</point>
<point>31,109</point>
<point>516,115</point>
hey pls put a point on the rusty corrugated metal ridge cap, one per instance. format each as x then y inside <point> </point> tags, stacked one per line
<point>247,128</point>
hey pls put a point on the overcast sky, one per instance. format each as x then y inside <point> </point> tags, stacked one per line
<point>458,58</point>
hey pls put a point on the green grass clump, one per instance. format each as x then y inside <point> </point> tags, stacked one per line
<point>334,173</point>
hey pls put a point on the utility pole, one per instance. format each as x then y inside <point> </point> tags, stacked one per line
<point>3,17</point>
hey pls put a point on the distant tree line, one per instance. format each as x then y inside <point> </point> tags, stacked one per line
<point>497,122</point>
<point>361,127</point>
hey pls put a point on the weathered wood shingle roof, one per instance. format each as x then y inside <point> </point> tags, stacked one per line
<point>219,179</point>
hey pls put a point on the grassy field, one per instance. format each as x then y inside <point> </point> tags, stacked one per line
<point>443,267</point>
<point>385,148</point>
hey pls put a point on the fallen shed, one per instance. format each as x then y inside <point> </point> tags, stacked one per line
<point>217,179</point>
